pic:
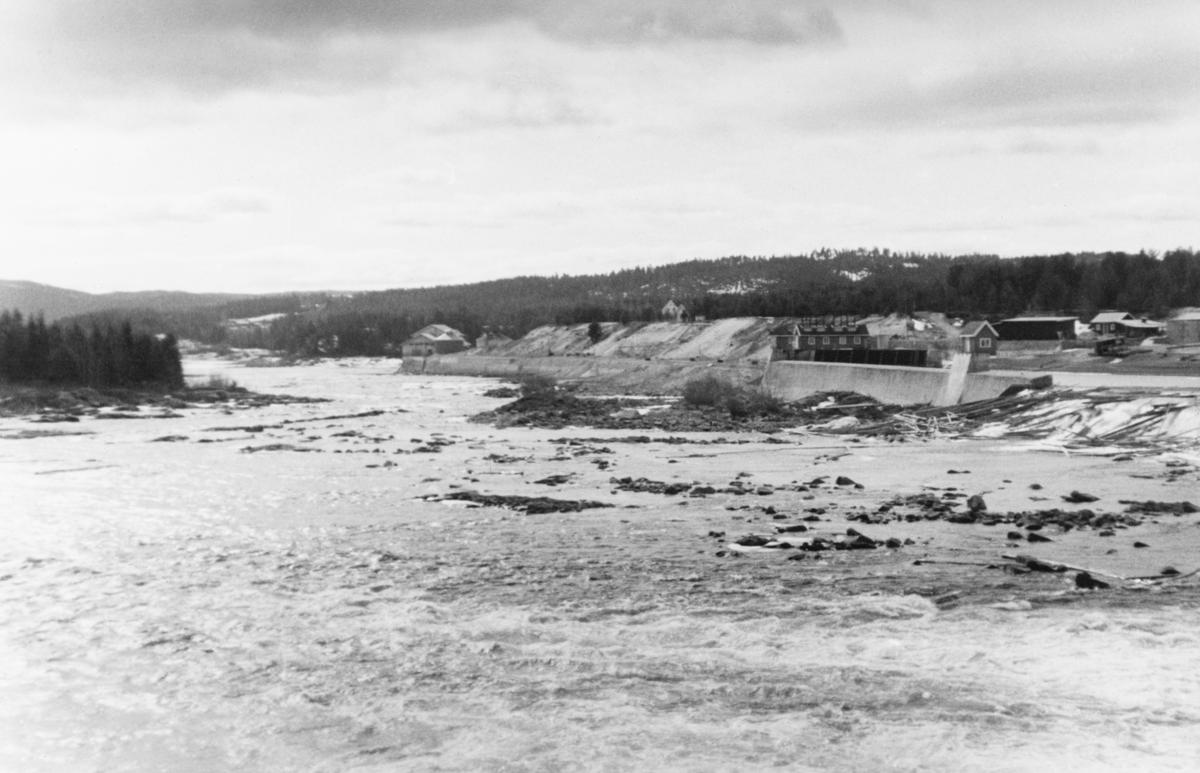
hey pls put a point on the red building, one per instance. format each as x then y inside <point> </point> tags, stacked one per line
<point>978,338</point>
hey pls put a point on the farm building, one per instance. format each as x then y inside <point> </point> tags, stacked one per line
<point>433,339</point>
<point>1122,323</point>
<point>1037,329</point>
<point>1184,328</point>
<point>978,338</point>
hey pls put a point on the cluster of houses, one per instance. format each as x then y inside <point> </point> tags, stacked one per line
<point>1106,323</point>
<point>834,339</point>
<point>1182,329</point>
<point>849,340</point>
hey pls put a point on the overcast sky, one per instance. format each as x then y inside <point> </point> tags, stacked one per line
<point>272,145</point>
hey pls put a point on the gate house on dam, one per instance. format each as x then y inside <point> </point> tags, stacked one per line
<point>838,339</point>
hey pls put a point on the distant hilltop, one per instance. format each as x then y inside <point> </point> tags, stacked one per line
<point>57,302</point>
<point>857,282</point>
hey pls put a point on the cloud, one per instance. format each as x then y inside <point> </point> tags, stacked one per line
<point>280,19</point>
<point>1009,64</point>
<point>205,207</point>
<point>1153,208</point>
<point>507,103</point>
<point>867,64</point>
<point>1009,141</point>
<point>766,21</point>
<point>971,223</point>
<point>626,21</point>
<point>1101,88</point>
<point>221,45</point>
<point>1029,88</point>
<point>210,206</point>
<point>662,203</point>
<point>1036,145</point>
<point>405,176</point>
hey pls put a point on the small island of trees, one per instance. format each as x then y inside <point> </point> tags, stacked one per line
<point>33,352</point>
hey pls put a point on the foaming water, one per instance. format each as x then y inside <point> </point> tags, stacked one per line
<point>185,610</point>
<point>324,664</point>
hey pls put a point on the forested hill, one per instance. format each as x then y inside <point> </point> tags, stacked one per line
<point>852,282</point>
<point>55,302</point>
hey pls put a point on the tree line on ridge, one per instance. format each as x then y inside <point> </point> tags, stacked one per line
<point>841,282</point>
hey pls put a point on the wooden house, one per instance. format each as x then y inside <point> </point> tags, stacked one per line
<point>1108,322</point>
<point>978,338</point>
<point>1122,323</point>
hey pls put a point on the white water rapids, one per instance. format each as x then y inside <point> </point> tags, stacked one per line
<point>184,606</point>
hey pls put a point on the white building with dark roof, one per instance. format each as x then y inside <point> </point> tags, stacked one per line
<point>433,339</point>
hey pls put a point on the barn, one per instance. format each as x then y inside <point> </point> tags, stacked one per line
<point>1037,329</point>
